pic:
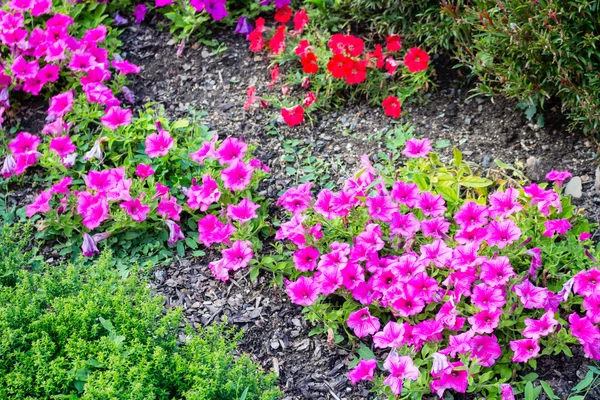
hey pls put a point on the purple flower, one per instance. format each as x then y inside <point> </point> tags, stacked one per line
<point>118,20</point>
<point>140,13</point>
<point>128,95</point>
<point>243,26</point>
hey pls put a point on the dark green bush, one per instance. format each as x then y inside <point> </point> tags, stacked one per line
<point>80,332</point>
<point>13,241</point>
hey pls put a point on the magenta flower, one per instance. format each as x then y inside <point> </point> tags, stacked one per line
<point>503,233</point>
<point>243,212</point>
<point>352,275</point>
<point>400,367</point>
<point>535,329</point>
<point>543,198</point>
<point>363,371</point>
<point>211,230</point>
<point>583,329</point>
<point>405,193</point>
<point>41,204</point>
<point>485,321</point>
<point>456,377</point>
<point>161,191</point>
<point>296,199</point>
<point>140,13</point>
<point>168,208</point>
<point>504,204</point>
<point>304,291</point>
<point>558,226</point>
<point>237,176</point>
<point>437,253</point>
<point>115,117</point>
<point>558,177</point>
<point>587,283</point>
<point>592,306</point>
<point>324,204</point>
<point>459,344</point>
<point>61,104</point>
<point>125,67</point>
<point>432,205</point>
<point>363,323</point>
<point>471,215</point>
<point>405,225</point>
<point>305,259</point>
<point>435,228</point>
<point>62,145</point>
<point>24,143</point>
<point>417,148</point>
<point>201,197</point>
<point>175,233</point>
<point>218,270</point>
<point>159,144</point>
<point>507,392</point>
<point>466,256</point>
<point>62,186</point>
<point>497,271</point>
<point>232,149</point>
<point>408,303</point>
<point>428,331</point>
<point>381,208</point>
<point>238,255</point>
<point>206,151</point>
<point>365,294</point>
<point>392,336</point>
<point>486,349</point>
<point>9,167</point>
<point>23,69</point>
<point>135,208</point>
<point>293,230</point>
<point>89,247</point>
<point>488,297</point>
<point>144,171</point>
<point>524,349</point>
<point>531,296</point>
<point>93,209</point>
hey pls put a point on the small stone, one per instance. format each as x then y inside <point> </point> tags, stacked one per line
<point>597,182</point>
<point>275,344</point>
<point>574,188</point>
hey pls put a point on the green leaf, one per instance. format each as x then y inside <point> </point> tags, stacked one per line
<point>365,353</point>
<point>442,144</point>
<point>458,157</point>
<point>254,273</point>
<point>530,112</point>
<point>244,394</point>
<point>106,324</point>
<point>180,249</point>
<point>192,244</point>
<point>548,390</point>
<point>182,123</point>
<point>475,182</point>
<point>586,382</point>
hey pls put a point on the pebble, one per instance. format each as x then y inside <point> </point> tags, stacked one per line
<point>574,188</point>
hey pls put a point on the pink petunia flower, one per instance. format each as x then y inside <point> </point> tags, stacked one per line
<point>175,233</point>
<point>472,215</point>
<point>125,67</point>
<point>115,117</point>
<point>211,230</point>
<point>485,321</point>
<point>93,209</point>
<point>400,367</point>
<point>158,144</point>
<point>496,271</point>
<point>456,377</point>
<point>363,323</point>
<point>363,371</point>
<point>41,204</point>
<point>144,171</point>
<point>504,204</point>
<point>207,150</point>
<point>135,208</point>
<point>486,349</point>
<point>432,205</point>
<point>558,177</point>
<point>487,297</point>
<point>524,349</point>
<point>535,329</point>
<point>61,104</point>
<point>405,193</point>
<point>543,198</point>
<point>24,143</point>
<point>556,226</point>
<point>243,212</point>
<point>503,233</point>
<point>62,145</point>
<point>305,259</point>
<point>417,148</point>
<point>62,186</point>
<point>435,228</point>
<point>507,392</point>
<point>238,255</point>
<point>168,208</point>
<point>304,291</point>
<point>218,270</point>
<point>586,283</point>
<point>89,247</point>
<point>232,149</point>
<point>201,197</point>
<point>405,225</point>
<point>392,336</point>
<point>583,329</point>
<point>237,176</point>
<point>381,208</point>
<point>296,199</point>
<point>531,296</point>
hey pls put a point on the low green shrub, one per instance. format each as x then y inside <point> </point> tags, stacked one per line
<point>77,332</point>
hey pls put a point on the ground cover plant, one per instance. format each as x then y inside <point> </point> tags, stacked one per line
<point>330,69</point>
<point>151,182</point>
<point>79,331</point>
<point>464,279</point>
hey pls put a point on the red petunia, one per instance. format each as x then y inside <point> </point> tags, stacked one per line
<point>293,116</point>
<point>277,42</point>
<point>356,72</point>
<point>300,20</point>
<point>309,99</point>
<point>283,14</point>
<point>255,37</point>
<point>392,106</point>
<point>337,65</point>
<point>274,75</point>
<point>378,55</point>
<point>394,43</point>
<point>336,43</point>
<point>302,48</point>
<point>251,92</point>
<point>354,46</point>
<point>391,65</point>
<point>416,60</point>
<point>309,63</point>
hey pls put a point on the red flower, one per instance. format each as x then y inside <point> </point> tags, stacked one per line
<point>283,14</point>
<point>309,99</point>
<point>416,60</point>
<point>356,72</point>
<point>277,42</point>
<point>309,63</point>
<point>293,116</point>
<point>377,54</point>
<point>300,20</point>
<point>391,65</point>
<point>274,75</point>
<point>302,48</point>
<point>336,43</point>
<point>255,37</point>
<point>337,65</point>
<point>392,106</point>
<point>251,97</point>
<point>394,43</point>
<point>346,44</point>
<point>305,82</point>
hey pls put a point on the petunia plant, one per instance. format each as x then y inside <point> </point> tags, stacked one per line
<point>329,69</point>
<point>456,280</point>
<point>154,178</point>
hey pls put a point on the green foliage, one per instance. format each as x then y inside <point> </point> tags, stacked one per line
<point>13,241</point>
<point>83,332</point>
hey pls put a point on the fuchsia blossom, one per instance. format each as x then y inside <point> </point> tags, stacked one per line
<point>531,296</point>
<point>296,199</point>
<point>503,233</point>
<point>293,230</point>
<point>437,253</point>
<point>207,150</point>
<point>558,177</point>
<point>135,208</point>
<point>61,104</point>
<point>363,323</point>
<point>324,205</point>
<point>125,67</point>
<point>201,197</point>
<point>175,233</point>
<point>536,261</point>
<point>89,247</point>
<point>237,176</point>
<point>93,208</point>
<point>115,117</point>
<point>168,208</point>
<point>455,377</point>
<point>543,198</point>
<point>62,186</point>
<point>417,148</point>
<point>432,205</point>
<point>504,204</point>
<point>363,371</point>
<point>211,230</point>
<point>507,392</point>
<point>392,336</point>
<point>231,150</point>
<point>471,215</point>
<point>496,271</point>
<point>405,193</point>
<point>485,321</point>
<point>556,226</point>
<point>400,367</point>
<point>41,204</point>
<point>305,259</point>
<point>144,171</point>
<point>486,349</point>
<point>238,255</point>
<point>243,212</point>
<point>587,283</point>
<point>535,329</point>
<point>304,291</point>
<point>405,225</point>
<point>592,306</point>
<point>62,145</point>
<point>488,297</point>
<point>435,228</point>
<point>381,208</point>
<point>524,349</point>
<point>158,144</point>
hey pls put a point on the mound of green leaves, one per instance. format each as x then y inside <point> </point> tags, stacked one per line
<point>77,332</point>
